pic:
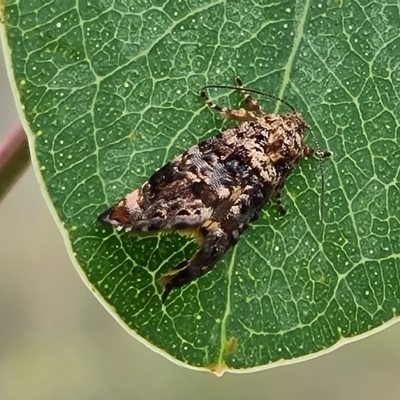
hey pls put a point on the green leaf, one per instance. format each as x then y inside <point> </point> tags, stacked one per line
<point>109,93</point>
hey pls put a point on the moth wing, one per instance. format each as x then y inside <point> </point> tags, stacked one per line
<point>168,200</point>
<point>181,195</point>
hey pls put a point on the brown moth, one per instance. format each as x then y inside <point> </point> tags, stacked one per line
<point>215,189</point>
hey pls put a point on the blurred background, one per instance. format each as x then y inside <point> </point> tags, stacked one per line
<point>57,341</point>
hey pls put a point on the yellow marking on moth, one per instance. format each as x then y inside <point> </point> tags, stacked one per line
<point>211,225</point>
<point>191,233</point>
<point>187,233</point>
<point>166,277</point>
<point>235,194</point>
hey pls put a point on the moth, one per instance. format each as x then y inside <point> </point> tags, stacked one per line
<point>215,189</point>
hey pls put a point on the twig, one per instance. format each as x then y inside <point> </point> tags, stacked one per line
<point>14,158</point>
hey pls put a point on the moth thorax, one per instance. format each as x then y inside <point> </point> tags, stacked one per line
<point>296,122</point>
<point>286,145</point>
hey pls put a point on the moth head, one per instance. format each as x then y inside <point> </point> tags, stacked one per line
<point>286,140</point>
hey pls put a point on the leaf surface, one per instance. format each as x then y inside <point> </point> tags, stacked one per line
<point>109,93</point>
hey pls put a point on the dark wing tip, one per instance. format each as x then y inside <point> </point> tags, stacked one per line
<point>104,217</point>
<point>166,290</point>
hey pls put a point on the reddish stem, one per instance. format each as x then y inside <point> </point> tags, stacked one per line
<point>14,158</point>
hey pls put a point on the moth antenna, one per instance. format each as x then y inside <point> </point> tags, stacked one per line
<point>321,168</point>
<point>271,96</point>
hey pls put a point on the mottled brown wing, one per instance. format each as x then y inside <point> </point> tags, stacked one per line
<point>180,195</point>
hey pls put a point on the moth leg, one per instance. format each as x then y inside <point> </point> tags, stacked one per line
<point>309,151</point>
<point>214,245</point>
<point>240,114</point>
<point>250,102</point>
<point>320,154</point>
<point>278,201</point>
